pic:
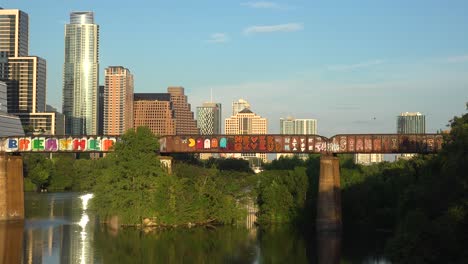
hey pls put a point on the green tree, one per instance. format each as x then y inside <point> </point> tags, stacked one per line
<point>126,187</point>
<point>38,169</point>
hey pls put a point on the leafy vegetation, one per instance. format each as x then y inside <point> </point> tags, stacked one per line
<point>134,186</point>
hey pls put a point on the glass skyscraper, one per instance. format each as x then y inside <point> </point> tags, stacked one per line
<point>411,123</point>
<point>209,118</point>
<point>81,74</point>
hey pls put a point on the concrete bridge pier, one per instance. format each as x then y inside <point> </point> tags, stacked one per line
<point>329,196</point>
<point>166,162</point>
<point>11,187</point>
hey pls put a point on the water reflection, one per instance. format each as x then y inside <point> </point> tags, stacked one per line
<point>11,240</point>
<point>59,229</point>
<point>329,247</point>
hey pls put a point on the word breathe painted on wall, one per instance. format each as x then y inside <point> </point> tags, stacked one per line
<point>364,143</point>
<point>54,144</point>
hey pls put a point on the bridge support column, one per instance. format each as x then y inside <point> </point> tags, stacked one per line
<point>329,196</point>
<point>166,162</point>
<point>11,188</point>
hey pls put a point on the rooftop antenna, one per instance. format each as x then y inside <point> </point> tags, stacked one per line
<point>211,95</point>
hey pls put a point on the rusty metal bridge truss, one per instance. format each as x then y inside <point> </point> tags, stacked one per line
<point>346,143</point>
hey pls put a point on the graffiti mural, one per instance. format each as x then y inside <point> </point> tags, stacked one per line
<point>57,144</point>
<point>357,143</point>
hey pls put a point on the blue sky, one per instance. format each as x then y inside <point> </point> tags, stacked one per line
<point>353,65</point>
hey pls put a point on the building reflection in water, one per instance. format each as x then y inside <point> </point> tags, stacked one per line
<point>56,230</point>
<point>329,247</point>
<point>11,241</point>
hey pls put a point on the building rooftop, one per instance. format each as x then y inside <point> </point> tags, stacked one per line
<point>152,96</point>
<point>245,111</point>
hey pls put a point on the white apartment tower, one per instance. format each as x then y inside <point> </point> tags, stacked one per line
<point>246,122</point>
<point>80,74</point>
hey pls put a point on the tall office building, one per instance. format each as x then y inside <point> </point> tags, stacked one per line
<point>118,100</point>
<point>14,33</point>
<point>293,126</point>
<point>298,126</point>
<point>27,89</point>
<point>209,118</point>
<point>80,77</point>
<point>3,65</point>
<point>209,122</point>
<point>101,110</point>
<point>411,123</point>
<point>239,105</point>
<point>246,122</point>
<point>155,111</point>
<point>10,125</point>
<point>25,75</point>
<point>184,118</point>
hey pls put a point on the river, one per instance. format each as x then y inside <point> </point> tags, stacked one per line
<point>59,229</point>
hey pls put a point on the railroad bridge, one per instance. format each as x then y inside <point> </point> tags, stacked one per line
<point>329,198</point>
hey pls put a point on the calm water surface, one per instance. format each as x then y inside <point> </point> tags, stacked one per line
<point>59,229</point>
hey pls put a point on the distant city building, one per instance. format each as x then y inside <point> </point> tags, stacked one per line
<point>155,111</point>
<point>209,122</point>
<point>14,33</point>
<point>3,65</point>
<point>59,120</point>
<point>118,100</point>
<point>209,118</point>
<point>184,117</point>
<point>101,110</point>
<point>298,126</point>
<point>367,158</point>
<point>246,122</point>
<point>10,125</point>
<point>39,123</point>
<point>80,78</point>
<point>294,126</point>
<point>27,91</point>
<point>3,97</point>
<point>239,105</point>
<point>411,123</point>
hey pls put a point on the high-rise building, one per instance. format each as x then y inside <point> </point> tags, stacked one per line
<point>39,123</point>
<point>14,33</point>
<point>59,120</point>
<point>246,122</point>
<point>411,123</point>
<point>80,78</point>
<point>118,100</point>
<point>239,105</point>
<point>3,65</point>
<point>209,122</point>
<point>367,158</point>
<point>27,91</point>
<point>155,111</point>
<point>10,125</point>
<point>3,97</point>
<point>101,110</point>
<point>209,118</point>
<point>293,126</point>
<point>185,122</point>
<point>298,126</point>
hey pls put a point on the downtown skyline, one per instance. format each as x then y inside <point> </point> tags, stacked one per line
<point>353,69</point>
